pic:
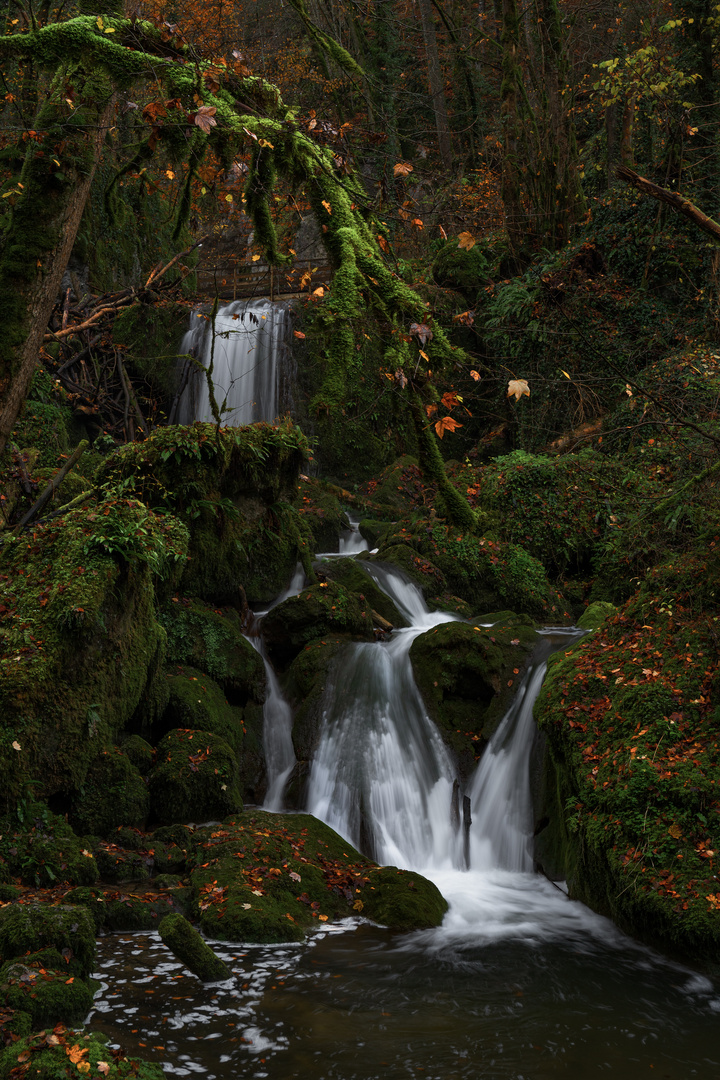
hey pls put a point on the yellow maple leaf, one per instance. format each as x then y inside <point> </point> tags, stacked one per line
<point>518,387</point>
<point>466,241</point>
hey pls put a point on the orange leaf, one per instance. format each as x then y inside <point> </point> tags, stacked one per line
<point>446,424</point>
<point>518,387</point>
<point>299,334</point>
<point>466,241</point>
<point>475,375</point>
<point>403,168</point>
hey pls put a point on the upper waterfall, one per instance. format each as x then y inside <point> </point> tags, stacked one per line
<point>247,345</point>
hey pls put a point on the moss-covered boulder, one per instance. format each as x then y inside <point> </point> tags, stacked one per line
<point>352,575</point>
<point>324,610</point>
<point>467,675</point>
<point>121,865</point>
<point>373,531</point>
<point>79,638</point>
<point>268,877</point>
<point>195,778</point>
<point>30,928</point>
<point>212,640</point>
<point>139,752</point>
<point>184,942</point>
<point>113,794</point>
<point>402,556</point>
<point>233,488</point>
<point>196,701</point>
<point>49,996</point>
<point>632,792</point>
<point>50,1055</point>
<point>595,615</point>
<point>320,509</point>
<point>304,687</point>
<point>42,849</point>
<point>113,910</point>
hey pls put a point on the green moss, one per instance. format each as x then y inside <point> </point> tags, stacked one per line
<point>139,753</point>
<point>79,638</point>
<point>403,900</point>
<point>48,1061</point>
<point>321,511</point>
<point>113,794</point>
<point>187,945</point>
<point>113,911</point>
<point>50,998</point>
<point>270,877</point>
<point>322,610</point>
<point>195,778</point>
<point>41,849</point>
<point>351,574</point>
<point>595,615</point>
<point>423,573</point>
<point>372,531</point>
<point>228,486</point>
<point>630,715</point>
<point>305,687</point>
<point>203,637</point>
<point>196,701</point>
<point>30,928</point>
<point>467,675</point>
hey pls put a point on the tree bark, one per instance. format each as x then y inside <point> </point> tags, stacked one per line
<point>436,81</point>
<point>31,268</point>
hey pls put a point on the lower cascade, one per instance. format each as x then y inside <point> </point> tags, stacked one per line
<point>247,345</point>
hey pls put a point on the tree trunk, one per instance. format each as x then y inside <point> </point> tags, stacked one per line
<point>42,229</point>
<point>436,81</point>
<point>511,177</point>
<point>672,198</point>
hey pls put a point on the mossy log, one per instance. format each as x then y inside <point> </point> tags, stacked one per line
<point>184,942</point>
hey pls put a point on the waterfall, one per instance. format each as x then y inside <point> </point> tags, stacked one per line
<point>383,778</point>
<point>247,344</point>
<point>277,734</point>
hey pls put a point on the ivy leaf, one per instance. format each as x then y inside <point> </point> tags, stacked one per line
<point>518,387</point>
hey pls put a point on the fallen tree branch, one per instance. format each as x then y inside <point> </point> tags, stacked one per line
<point>678,202</point>
<point>54,484</point>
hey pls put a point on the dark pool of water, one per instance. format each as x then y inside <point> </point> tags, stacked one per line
<point>358,1003</point>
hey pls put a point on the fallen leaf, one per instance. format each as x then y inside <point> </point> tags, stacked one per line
<point>466,241</point>
<point>403,168</point>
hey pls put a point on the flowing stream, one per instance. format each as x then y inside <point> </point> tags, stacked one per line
<point>519,983</point>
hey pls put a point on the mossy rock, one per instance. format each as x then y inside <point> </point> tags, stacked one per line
<point>630,715</point>
<point>403,900</point>
<point>203,637</point>
<point>321,511</point>
<point>196,701</point>
<point>43,850</point>
<point>468,675</point>
<point>29,928</point>
<point>49,997</point>
<point>120,865</point>
<point>51,1061</point>
<point>139,752</point>
<point>85,588</point>
<point>233,489</point>
<point>184,942</point>
<point>271,877</point>
<point>195,778</point>
<point>304,687</point>
<point>373,531</point>
<point>45,423</point>
<point>397,485</point>
<point>595,614</point>
<point>467,271</point>
<point>112,910</point>
<point>351,574</point>
<point>325,610</point>
<point>415,566</point>
<point>113,794</point>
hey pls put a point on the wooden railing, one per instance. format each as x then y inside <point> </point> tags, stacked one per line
<point>238,282</point>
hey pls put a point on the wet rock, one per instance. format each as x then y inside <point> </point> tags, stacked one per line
<point>114,794</point>
<point>322,610</point>
<point>351,574</point>
<point>29,928</point>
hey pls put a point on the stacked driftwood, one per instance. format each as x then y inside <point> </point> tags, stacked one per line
<point>91,367</point>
